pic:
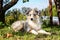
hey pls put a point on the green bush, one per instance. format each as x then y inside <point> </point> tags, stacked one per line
<point>13,16</point>
<point>2,24</point>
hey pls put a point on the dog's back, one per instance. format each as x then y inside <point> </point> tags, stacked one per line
<point>18,25</point>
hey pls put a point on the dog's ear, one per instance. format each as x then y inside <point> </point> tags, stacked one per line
<point>38,12</point>
<point>27,12</point>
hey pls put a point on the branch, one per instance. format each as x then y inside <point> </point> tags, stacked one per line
<point>9,5</point>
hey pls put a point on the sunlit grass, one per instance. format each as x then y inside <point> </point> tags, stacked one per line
<point>27,36</point>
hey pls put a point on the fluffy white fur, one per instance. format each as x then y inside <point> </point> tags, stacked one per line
<point>18,25</point>
<point>31,26</point>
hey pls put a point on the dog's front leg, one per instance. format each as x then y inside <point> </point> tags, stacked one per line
<point>43,32</point>
<point>33,32</point>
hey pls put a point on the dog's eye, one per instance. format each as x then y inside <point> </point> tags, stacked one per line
<point>29,14</point>
<point>34,14</point>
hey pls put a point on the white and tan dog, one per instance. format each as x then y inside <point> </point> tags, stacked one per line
<point>31,25</point>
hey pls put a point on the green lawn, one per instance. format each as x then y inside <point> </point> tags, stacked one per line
<point>27,36</point>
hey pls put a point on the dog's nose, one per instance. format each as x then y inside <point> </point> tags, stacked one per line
<point>31,18</point>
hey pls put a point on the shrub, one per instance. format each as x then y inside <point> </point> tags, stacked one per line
<point>1,24</point>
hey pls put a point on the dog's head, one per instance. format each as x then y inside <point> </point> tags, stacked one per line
<point>33,14</point>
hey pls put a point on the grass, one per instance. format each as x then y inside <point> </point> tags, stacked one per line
<point>27,36</point>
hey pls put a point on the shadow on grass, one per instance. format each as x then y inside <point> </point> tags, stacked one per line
<point>20,33</point>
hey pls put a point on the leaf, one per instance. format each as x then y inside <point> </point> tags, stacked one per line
<point>25,1</point>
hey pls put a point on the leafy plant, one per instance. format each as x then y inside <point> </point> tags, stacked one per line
<point>1,24</point>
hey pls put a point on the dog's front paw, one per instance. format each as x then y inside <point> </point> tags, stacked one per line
<point>34,32</point>
<point>49,33</point>
<point>44,32</point>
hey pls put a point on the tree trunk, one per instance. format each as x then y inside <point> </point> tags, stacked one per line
<point>1,13</point>
<point>50,11</point>
<point>57,3</point>
<point>5,8</point>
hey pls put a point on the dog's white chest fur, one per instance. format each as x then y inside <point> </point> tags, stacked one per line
<point>34,25</point>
